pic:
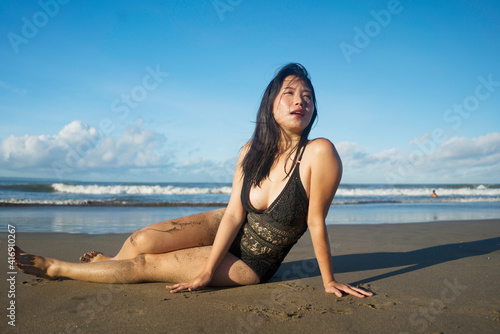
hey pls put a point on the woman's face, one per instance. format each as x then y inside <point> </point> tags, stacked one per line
<point>293,107</point>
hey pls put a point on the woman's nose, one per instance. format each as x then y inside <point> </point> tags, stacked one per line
<point>299,101</point>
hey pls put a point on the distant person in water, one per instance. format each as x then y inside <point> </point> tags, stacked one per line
<point>283,184</point>
<point>434,194</point>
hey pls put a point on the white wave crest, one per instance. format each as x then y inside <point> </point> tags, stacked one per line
<point>392,192</point>
<point>136,190</point>
<point>23,201</point>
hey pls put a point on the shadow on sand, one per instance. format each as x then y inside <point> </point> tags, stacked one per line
<point>412,261</point>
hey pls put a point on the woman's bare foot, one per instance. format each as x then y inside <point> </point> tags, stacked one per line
<point>94,256</point>
<point>35,265</point>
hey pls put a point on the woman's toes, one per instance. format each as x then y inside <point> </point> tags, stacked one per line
<point>84,259</point>
<point>93,256</point>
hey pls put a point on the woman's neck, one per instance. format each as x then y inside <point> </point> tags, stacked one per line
<point>288,144</point>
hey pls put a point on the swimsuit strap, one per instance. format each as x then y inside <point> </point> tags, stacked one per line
<point>301,154</point>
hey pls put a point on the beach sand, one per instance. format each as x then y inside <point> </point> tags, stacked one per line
<point>438,277</point>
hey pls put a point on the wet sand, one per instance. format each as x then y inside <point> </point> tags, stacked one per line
<point>427,278</point>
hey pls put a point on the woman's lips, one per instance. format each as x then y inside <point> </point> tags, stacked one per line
<point>298,112</point>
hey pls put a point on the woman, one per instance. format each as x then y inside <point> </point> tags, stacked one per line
<point>282,185</point>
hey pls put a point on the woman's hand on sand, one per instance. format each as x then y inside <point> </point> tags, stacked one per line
<point>199,281</point>
<point>339,288</point>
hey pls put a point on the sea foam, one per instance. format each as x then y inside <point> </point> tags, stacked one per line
<point>137,190</point>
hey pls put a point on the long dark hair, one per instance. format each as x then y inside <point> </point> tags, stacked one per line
<point>265,140</point>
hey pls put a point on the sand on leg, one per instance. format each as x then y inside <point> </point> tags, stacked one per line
<point>177,266</point>
<point>174,234</point>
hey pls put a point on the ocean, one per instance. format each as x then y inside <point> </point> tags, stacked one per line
<point>33,205</point>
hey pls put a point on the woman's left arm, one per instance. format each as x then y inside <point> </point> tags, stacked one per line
<point>325,174</point>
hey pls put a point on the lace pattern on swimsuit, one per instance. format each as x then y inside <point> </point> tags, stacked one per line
<point>267,236</point>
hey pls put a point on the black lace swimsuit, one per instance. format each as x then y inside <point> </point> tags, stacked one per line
<point>267,236</point>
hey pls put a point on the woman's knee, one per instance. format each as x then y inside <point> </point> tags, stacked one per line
<point>152,240</point>
<point>140,240</point>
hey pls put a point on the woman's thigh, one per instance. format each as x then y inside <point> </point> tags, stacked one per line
<point>185,232</point>
<point>185,264</point>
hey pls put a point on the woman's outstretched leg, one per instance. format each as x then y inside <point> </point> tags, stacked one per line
<point>185,232</point>
<point>177,266</point>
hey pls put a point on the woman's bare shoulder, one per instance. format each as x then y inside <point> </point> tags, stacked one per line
<point>244,150</point>
<point>322,146</point>
<point>247,146</point>
<point>321,152</point>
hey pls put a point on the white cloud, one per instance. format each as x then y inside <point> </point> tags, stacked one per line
<point>457,160</point>
<point>137,147</point>
<point>81,147</point>
<point>485,148</point>
<point>357,158</point>
<point>82,151</point>
<point>475,156</point>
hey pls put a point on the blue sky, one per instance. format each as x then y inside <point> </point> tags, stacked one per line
<point>162,91</point>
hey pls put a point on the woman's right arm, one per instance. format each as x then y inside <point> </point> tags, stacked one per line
<point>230,224</point>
